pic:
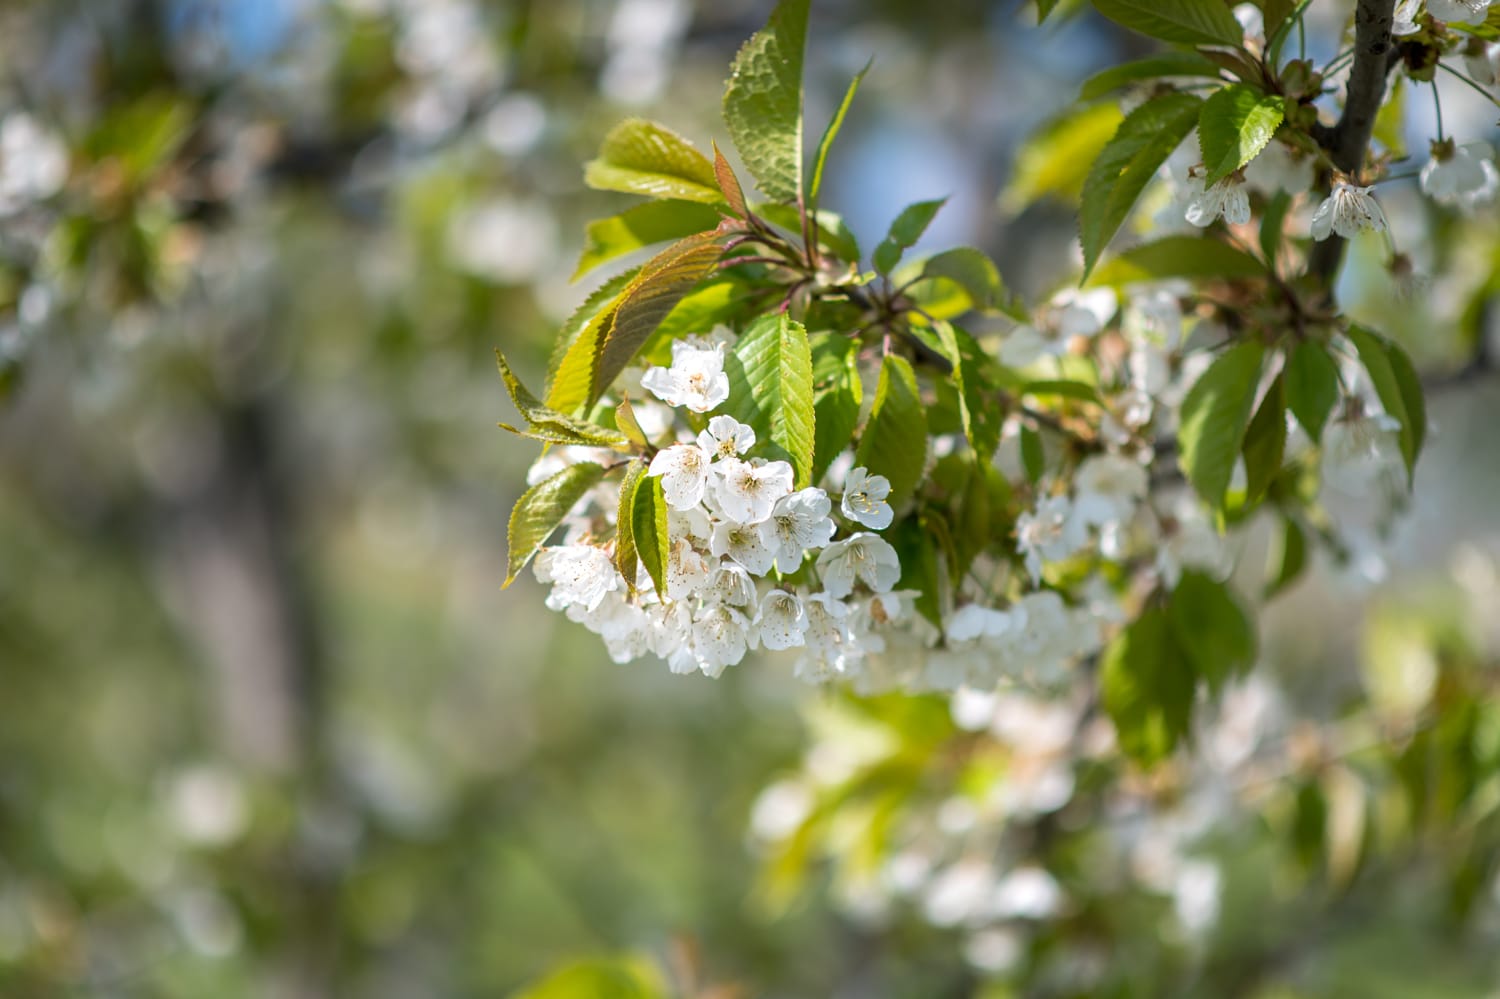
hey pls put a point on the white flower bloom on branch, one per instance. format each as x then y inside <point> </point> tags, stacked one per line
<point>1049,533</point>
<point>798,522</point>
<point>580,575</point>
<point>721,636</point>
<point>744,544</point>
<point>1361,451</point>
<point>1483,64</point>
<point>33,163</point>
<point>1107,488</point>
<point>781,622</point>
<point>1459,11</point>
<point>1464,177</point>
<point>831,650</point>
<point>696,378</point>
<point>1346,211</point>
<point>1406,18</point>
<point>728,584</point>
<point>747,492</point>
<point>1228,199</point>
<point>683,469</point>
<point>687,569</point>
<point>726,437</point>
<point>864,499</point>
<point>861,558</point>
<point>1189,541</point>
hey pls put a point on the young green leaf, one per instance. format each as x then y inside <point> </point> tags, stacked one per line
<point>1312,386</point>
<point>1147,683</point>
<point>643,225</point>
<point>981,417</point>
<point>837,395</point>
<point>648,531</point>
<point>771,388</point>
<point>1265,442</point>
<point>626,558</point>
<point>894,441</point>
<point>642,157</point>
<point>1211,628</point>
<point>1271,224</point>
<point>1158,67</point>
<point>1055,161</point>
<point>1129,161</point>
<point>628,425</point>
<point>597,301</point>
<point>1178,257</point>
<point>904,233</point>
<point>763,102</point>
<point>833,232</point>
<point>1215,414</point>
<point>1192,22</point>
<point>729,185</point>
<point>1291,559</point>
<point>548,424</point>
<point>1397,386</point>
<point>831,133</point>
<point>542,507</point>
<point>1044,8</point>
<point>1033,455</point>
<point>1234,125</point>
<point>972,271</point>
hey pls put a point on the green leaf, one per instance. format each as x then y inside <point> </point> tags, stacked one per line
<point>1265,443</point>
<point>1198,257</point>
<point>904,233</point>
<point>972,271</point>
<point>1234,125</point>
<point>1212,629</point>
<point>894,441</point>
<point>1192,22</point>
<point>1067,389</point>
<point>1033,456</point>
<point>1312,386</point>
<point>1390,120</point>
<point>1214,417</point>
<point>643,225</point>
<point>542,507</point>
<point>771,388</point>
<point>837,395</point>
<point>1147,685</point>
<point>626,558</point>
<point>1397,386</point>
<point>1271,224</point>
<point>832,231</point>
<point>598,300</point>
<point>1275,14</point>
<point>831,133</point>
<point>1055,161</point>
<point>1292,558</point>
<point>1044,8</point>
<point>642,157</point>
<point>729,185</point>
<point>548,424</point>
<point>1156,67</point>
<point>628,425</point>
<point>763,102</point>
<point>648,531</point>
<point>1129,161</point>
<point>980,415</point>
<point>917,541</point>
<point>601,978</point>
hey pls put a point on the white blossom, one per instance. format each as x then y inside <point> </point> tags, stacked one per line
<point>744,544</point>
<point>830,647</point>
<point>747,492</point>
<point>1483,64</point>
<point>1025,345</point>
<point>1406,18</point>
<point>687,569</point>
<point>1190,541</point>
<point>781,621</point>
<point>726,437</point>
<point>1106,489</point>
<point>580,575</point>
<point>1228,199</point>
<point>1048,534</point>
<point>1346,211</point>
<point>864,499</point>
<point>33,163</point>
<point>1460,11</point>
<point>1084,313</point>
<point>798,522</point>
<point>1464,177</point>
<point>696,378</point>
<point>684,470</point>
<point>1360,451</point>
<point>864,558</point>
<point>721,636</point>
<point>1280,168</point>
<point>728,584</point>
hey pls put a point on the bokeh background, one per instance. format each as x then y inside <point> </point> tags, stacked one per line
<point>268,726</point>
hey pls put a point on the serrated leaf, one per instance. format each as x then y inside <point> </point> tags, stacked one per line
<point>972,271</point>
<point>1192,22</point>
<point>1215,414</point>
<point>894,441</point>
<point>642,157</point>
<point>830,133</point>
<point>1234,125</point>
<point>771,388</point>
<point>763,102</point>
<point>1128,162</point>
<point>641,226</point>
<point>542,507</point>
<point>1198,257</point>
<point>837,395</point>
<point>648,531</point>
<point>628,425</point>
<point>1291,559</point>
<point>976,399</point>
<point>1168,64</point>
<point>1147,685</point>
<point>904,233</point>
<point>597,300</point>
<point>626,558</point>
<point>1265,442</point>
<point>548,424</point>
<point>1055,161</point>
<point>1312,386</point>
<point>729,185</point>
<point>1211,627</point>
<point>1398,392</point>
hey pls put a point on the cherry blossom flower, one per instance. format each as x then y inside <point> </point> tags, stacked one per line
<point>781,621</point>
<point>728,584</point>
<point>1483,63</point>
<point>1228,199</point>
<point>830,647</point>
<point>721,636</point>
<point>864,499</point>
<point>1459,11</point>
<point>1346,211</point>
<point>687,569</point>
<point>726,437</point>
<point>1048,534</point>
<point>744,544</point>
<point>579,574</point>
<point>1406,18</point>
<point>1280,168</point>
<point>1464,177</point>
<point>798,522</point>
<point>696,378</point>
<point>747,492</point>
<point>1107,488</point>
<point>33,163</point>
<point>864,557</point>
<point>684,470</point>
